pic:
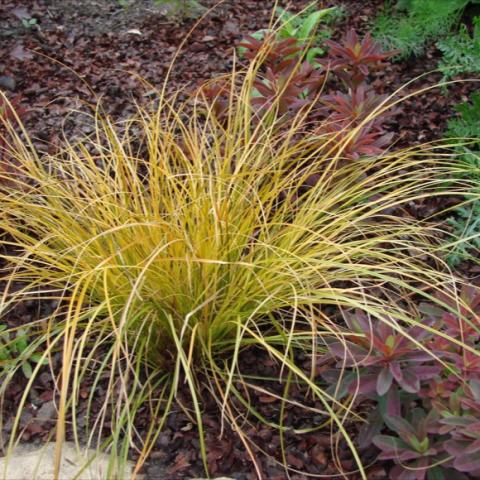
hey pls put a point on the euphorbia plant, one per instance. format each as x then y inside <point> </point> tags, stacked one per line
<point>354,107</point>
<point>442,438</point>
<point>460,317</point>
<point>277,55</point>
<point>464,444</point>
<point>445,443</point>
<point>385,353</point>
<point>354,59</point>
<point>288,82</point>
<point>463,428</point>
<point>296,88</point>
<point>346,115</point>
<point>416,455</point>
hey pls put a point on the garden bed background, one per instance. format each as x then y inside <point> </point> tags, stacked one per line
<point>78,52</point>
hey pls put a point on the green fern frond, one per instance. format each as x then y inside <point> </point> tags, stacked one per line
<point>466,231</point>
<point>465,220</point>
<point>467,124</point>
<point>461,52</point>
<point>414,23</point>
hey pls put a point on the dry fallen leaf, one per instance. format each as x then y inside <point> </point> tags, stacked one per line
<point>21,13</point>
<point>19,53</point>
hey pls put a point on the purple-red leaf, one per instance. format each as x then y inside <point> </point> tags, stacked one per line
<point>384,381</point>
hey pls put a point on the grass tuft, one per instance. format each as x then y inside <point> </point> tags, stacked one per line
<point>173,243</point>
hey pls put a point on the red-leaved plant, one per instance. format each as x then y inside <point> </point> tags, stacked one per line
<point>413,448</point>
<point>354,59</point>
<point>384,356</point>
<point>425,383</point>
<point>286,83</point>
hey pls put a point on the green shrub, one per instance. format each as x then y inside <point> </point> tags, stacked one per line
<point>465,223</point>
<point>467,124</point>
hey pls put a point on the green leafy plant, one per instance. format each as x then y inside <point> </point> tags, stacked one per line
<point>461,52</point>
<point>413,23</point>
<point>14,345</point>
<point>29,22</point>
<point>307,28</point>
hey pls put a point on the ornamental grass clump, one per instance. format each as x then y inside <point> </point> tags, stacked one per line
<point>172,243</point>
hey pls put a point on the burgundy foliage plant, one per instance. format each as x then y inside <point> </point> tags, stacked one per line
<point>425,383</point>
<point>286,82</point>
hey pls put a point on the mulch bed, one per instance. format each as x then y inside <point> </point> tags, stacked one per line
<point>80,51</point>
